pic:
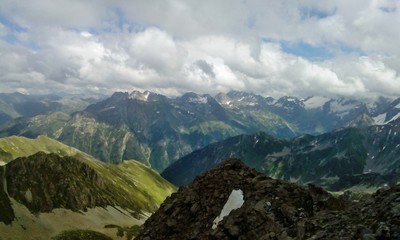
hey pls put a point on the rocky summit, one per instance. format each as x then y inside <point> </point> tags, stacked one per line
<point>233,201</point>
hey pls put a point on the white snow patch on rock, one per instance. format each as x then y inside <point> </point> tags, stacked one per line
<point>199,100</point>
<point>235,201</point>
<point>139,95</point>
<point>380,119</point>
<point>342,108</point>
<point>315,102</point>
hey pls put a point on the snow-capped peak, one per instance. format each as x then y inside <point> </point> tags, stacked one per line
<point>143,96</point>
<point>315,102</point>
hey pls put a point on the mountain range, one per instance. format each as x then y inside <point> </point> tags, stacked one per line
<point>51,190</point>
<point>158,130</point>
<point>371,155</point>
<point>48,187</point>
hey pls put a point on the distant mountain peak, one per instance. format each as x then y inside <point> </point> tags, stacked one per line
<point>315,102</point>
<point>143,96</point>
<point>196,98</point>
<point>234,99</point>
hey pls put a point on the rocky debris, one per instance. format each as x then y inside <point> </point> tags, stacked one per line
<point>272,209</point>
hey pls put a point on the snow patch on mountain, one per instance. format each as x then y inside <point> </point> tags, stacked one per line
<point>380,119</point>
<point>315,102</point>
<point>235,201</point>
<point>198,99</point>
<point>342,108</point>
<point>290,99</point>
<point>139,95</point>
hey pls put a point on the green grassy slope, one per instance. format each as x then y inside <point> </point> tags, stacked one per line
<point>131,182</point>
<point>52,187</point>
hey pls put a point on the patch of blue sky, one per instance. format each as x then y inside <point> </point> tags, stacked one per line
<point>308,51</point>
<point>12,26</point>
<point>348,50</point>
<point>306,13</point>
<point>315,52</point>
<point>13,40</point>
<point>14,30</point>
<point>10,38</point>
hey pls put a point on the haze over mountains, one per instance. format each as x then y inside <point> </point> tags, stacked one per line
<point>14,105</point>
<point>158,130</point>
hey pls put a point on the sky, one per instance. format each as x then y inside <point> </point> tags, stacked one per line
<point>274,48</point>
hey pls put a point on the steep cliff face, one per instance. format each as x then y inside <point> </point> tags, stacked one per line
<point>269,209</point>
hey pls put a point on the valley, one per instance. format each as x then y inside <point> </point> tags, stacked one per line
<point>108,166</point>
<point>199,120</point>
<point>157,130</point>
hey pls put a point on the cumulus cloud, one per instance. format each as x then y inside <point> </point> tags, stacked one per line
<point>207,46</point>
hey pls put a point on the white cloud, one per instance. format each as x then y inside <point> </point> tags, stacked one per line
<point>203,46</point>
<point>156,49</point>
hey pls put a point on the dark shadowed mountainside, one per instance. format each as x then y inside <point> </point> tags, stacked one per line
<point>371,155</point>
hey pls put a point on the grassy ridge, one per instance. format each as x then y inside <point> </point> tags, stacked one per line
<point>132,184</point>
<point>23,147</point>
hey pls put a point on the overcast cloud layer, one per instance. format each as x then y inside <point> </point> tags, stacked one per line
<point>274,47</point>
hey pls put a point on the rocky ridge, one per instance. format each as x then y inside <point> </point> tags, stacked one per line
<point>272,209</point>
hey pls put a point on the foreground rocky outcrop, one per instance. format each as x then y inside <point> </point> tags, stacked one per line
<point>272,209</point>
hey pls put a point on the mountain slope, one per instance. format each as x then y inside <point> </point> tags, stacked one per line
<point>67,189</point>
<point>232,201</point>
<point>157,130</point>
<point>149,127</point>
<point>323,159</point>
